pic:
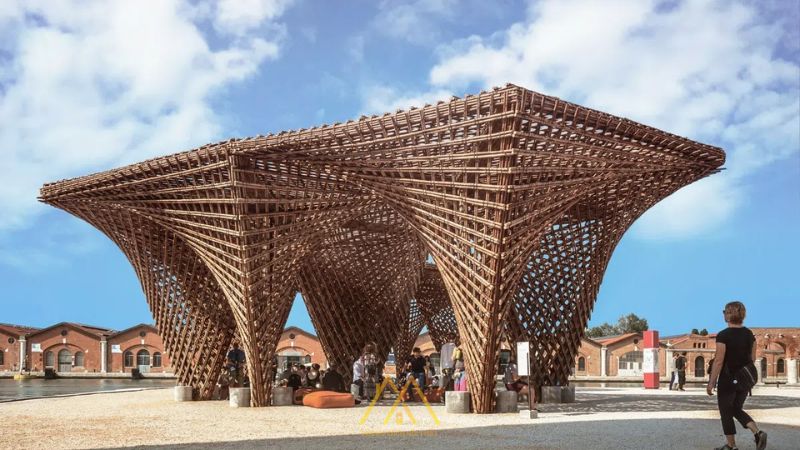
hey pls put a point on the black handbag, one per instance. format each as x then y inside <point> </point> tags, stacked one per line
<point>745,378</point>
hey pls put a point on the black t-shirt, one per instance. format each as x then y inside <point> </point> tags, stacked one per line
<point>418,364</point>
<point>236,355</point>
<point>680,362</point>
<point>294,381</point>
<point>332,381</point>
<point>738,347</point>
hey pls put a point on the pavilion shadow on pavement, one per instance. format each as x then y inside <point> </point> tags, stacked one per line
<point>637,434</point>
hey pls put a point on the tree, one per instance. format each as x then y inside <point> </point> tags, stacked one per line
<point>694,331</point>
<point>605,329</point>
<point>703,332</point>
<point>626,324</point>
<point>632,324</point>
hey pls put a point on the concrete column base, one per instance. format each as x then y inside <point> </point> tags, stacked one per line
<point>282,396</point>
<point>183,393</point>
<point>567,394</point>
<point>551,394</point>
<point>457,402</point>
<point>239,398</point>
<point>506,402</point>
<point>528,414</point>
<point>558,394</point>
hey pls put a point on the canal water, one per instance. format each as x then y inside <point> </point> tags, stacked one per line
<point>14,390</point>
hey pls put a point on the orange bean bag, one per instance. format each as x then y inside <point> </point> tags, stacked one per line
<point>329,399</point>
<point>301,393</point>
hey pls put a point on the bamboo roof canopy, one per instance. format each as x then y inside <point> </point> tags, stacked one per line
<point>519,198</point>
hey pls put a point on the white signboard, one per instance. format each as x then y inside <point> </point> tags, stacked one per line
<point>523,358</point>
<point>115,348</point>
<point>650,362</point>
<point>36,347</point>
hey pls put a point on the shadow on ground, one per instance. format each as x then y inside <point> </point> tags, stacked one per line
<point>609,402</point>
<point>677,434</point>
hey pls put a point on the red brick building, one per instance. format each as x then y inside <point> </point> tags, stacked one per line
<point>66,347</point>
<point>77,348</point>
<point>777,353</point>
<point>11,338</point>
<point>139,347</point>
<point>298,345</point>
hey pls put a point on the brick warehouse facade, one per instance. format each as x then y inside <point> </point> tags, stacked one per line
<point>777,355</point>
<point>139,347</point>
<point>72,348</point>
<point>75,349</point>
<point>298,345</point>
<point>10,345</point>
<point>65,347</point>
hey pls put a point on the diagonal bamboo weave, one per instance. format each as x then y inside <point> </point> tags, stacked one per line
<point>519,198</point>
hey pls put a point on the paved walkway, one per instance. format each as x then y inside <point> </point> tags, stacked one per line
<point>626,418</point>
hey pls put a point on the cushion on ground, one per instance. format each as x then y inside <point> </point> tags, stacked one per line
<point>301,393</point>
<point>329,399</point>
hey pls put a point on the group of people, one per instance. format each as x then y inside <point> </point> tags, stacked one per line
<point>678,379</point>
<point>299,376</point>
<point>731,372</point>
<point>420,369</point>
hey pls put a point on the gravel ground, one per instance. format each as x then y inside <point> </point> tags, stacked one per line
<point>614,418</point>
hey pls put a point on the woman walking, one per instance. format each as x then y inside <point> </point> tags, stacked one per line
<point>735,353</point>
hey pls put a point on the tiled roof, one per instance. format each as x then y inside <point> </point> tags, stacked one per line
<point>18,329</point>
<point>91,329</point>
<point>611,340</point>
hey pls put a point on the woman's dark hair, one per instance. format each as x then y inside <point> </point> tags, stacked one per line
<point>735,313</point>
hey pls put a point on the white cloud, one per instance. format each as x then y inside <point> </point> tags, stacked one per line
<point>416,22</point>
<point>242,16</point>
<point>704,69</point>
<point>700,208</point>
<point>89,88</point>
<point>378,99</point>
<point>50,247</point>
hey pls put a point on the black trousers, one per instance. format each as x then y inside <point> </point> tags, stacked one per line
<point>681,378</point>
<point>730,404</point>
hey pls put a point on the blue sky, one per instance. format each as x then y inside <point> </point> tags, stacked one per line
<point>91,88</point>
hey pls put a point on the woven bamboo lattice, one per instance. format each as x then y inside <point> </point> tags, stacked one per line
<point>434,304</point>
<point>518,197</point>
<point>357,285</point>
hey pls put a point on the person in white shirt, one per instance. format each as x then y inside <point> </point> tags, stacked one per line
<point>358,375</point>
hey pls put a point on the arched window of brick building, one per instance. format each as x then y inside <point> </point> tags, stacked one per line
<point>699,367</point>
<point>156,359</point>
<point>581,364</point>
<point>64,361</point>
<point>129,359</point>
<point>79,359</point>
<point>2,357</point>
<point>780,366</point>
<point>49,359</point>
<point>143,358</point>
